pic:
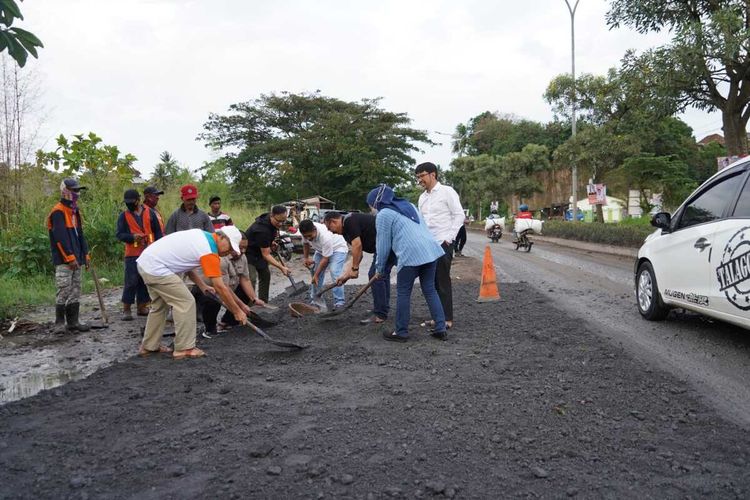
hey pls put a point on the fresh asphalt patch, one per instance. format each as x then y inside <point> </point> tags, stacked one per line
<point>522,400</point>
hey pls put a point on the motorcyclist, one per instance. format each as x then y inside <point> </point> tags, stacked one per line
<point>523,212</point>
<point>496,221</point>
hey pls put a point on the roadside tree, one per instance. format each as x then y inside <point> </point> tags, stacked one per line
<point>294,145</point>
<point>705,66</point>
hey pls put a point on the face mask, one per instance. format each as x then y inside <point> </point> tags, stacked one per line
<point>132,206</point>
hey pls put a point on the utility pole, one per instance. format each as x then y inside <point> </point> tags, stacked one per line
<point>572,11</point>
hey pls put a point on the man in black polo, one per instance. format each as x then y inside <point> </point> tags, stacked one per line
<point>260,237</point>
<point>359,231</point>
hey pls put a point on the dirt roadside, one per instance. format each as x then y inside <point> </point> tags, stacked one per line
<point>522,400</point>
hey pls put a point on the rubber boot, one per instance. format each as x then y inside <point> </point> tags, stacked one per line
<point>127,314</point>
<point>60,319</point>
<point>71,315</point>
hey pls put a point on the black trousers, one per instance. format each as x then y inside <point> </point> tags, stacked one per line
<point>460,239</point>
<point>208,307</point>
<point>264,283</point>
<point>443,281</point>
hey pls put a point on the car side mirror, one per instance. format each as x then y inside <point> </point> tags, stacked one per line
<point>662,220</point>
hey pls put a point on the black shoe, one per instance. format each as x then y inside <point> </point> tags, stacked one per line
<point>439,335</point>
<point>393,337</point>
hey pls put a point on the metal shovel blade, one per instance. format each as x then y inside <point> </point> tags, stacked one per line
<point>265,315</point>
<point>280,343</point>
<point>297,287</point>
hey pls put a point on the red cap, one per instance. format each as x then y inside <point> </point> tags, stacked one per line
<point>189,192</point>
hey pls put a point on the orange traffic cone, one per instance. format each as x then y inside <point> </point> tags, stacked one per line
<point>488,291</point>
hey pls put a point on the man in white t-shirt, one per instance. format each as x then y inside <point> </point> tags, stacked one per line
<point>159,266</point>
<point>444,215</point>
<point>330,254</point>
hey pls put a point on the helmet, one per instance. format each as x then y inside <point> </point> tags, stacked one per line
<point>523,208</point>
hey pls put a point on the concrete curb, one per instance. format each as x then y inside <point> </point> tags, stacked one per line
<point>581,245</point>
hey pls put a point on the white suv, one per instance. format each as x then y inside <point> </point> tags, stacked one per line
<point>700,258</point>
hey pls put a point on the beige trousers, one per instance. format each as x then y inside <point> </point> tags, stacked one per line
<point>166,291</point>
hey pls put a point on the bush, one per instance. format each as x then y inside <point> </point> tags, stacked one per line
<point>624,234</point>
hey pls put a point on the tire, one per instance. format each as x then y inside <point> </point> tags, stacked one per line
<point>528,246</point>
<point>647,295</point>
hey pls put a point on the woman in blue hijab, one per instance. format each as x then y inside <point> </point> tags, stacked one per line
<point>400,229</point>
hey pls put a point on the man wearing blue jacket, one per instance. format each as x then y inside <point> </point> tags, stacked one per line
<point>69,253</point>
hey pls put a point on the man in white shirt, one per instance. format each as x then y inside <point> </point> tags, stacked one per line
<point>444,215</point>
<point>330,254</point>
<point>160,264</point>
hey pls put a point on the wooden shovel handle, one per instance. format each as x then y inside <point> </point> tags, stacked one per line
<point>98,293</point>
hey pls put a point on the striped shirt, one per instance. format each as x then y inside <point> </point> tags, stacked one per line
<point>411,242</point>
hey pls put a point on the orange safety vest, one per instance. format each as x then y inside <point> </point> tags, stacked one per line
<point>135,249</point>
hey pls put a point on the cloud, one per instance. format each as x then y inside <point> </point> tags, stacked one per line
<point>145,74</point>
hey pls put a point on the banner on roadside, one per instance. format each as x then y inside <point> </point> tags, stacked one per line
<point>597,194</point>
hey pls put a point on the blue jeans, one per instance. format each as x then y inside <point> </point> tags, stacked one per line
<point>134,287</point>
<point>381,288</point>
<point>335,267</point>
<point>405,283</point>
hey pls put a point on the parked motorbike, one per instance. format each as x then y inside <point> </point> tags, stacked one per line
<point>284,245</point>
<point>523,241</point>
<point>495,233</point>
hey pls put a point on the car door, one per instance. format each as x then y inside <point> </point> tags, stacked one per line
<point>682,258</point>
<point>730,280</point>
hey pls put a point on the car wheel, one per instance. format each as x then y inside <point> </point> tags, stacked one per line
<point>647,294</point>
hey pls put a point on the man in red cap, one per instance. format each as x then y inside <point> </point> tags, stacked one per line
<point>188,215</point>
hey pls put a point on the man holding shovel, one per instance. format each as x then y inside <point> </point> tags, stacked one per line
<point>69,252</point>
<point>330,253</point>
<point>159,266</point>
<point>260,237</point>
<point>359,231</point>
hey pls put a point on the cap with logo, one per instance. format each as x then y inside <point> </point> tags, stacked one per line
<point>188,192</point>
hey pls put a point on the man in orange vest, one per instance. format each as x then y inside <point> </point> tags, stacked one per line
<point>151,199</point>
<point>137,227</point>
<point>69,253</point>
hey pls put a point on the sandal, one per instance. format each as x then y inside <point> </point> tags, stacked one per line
<point>161,350</point>
<point>394,337</point>
<point>188,353</point>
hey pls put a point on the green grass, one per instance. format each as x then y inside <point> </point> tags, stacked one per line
<point>19,294</point>
<point>630,233</point>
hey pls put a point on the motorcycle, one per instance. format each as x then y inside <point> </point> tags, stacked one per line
<point>495,233</point>
<point>523,241</point>
<point>284,245</point>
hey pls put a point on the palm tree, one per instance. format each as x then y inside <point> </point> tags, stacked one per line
<point>165,172</point>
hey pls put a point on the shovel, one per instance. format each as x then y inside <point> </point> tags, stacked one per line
<point>266,315</point>
<point>297,287</point>
<point>101,300</point>
<point>349,304</point>
<point>263,335</point>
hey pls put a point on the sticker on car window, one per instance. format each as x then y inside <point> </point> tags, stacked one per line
<point>733,272</point>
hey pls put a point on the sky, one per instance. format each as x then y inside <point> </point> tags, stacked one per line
<point>145,74</point>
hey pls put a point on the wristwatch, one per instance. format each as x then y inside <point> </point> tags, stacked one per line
<point>355,269</point>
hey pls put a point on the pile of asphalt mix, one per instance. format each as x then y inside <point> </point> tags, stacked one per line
<point>520,401</point>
